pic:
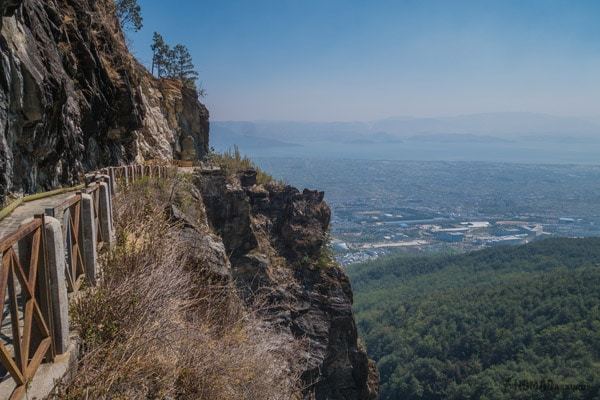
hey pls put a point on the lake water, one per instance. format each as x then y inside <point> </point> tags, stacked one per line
<point>533,152</point>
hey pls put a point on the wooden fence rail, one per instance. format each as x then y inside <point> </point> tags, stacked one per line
<point>29,335</point>
<point>94,191</point>
<point>26,279</point>
<point>71,230</point>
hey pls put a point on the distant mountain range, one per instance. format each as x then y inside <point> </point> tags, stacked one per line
<point>473,128</point>
<point>457,138</point>
<point>223,138</point>
<point>502,125</point>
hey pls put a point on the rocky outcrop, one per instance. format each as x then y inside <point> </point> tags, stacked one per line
<point>276,238</point>
<point>72,97</point>
<point>8,7</point>
<point>175,124</point>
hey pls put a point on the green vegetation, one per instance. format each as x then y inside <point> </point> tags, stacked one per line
<point>182,65</point>
<point>326,257</point>
<point>174,63</point>
<point>160,51</point>
<point>232,162</point>
<point>503,323</point>
<point>129,13</point>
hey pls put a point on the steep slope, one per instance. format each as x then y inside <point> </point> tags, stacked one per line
<point>276,240</point>
<point>236,272</point>
<point>72,98</point>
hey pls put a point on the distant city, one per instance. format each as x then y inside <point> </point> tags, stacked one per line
<point>383,207</point>
<point>362,234</point>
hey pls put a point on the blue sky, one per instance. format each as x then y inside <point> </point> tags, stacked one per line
<point>356,60</point>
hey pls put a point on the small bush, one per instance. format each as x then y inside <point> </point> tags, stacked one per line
<point>326,258</point>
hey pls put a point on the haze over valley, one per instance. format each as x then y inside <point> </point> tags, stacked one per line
<point>300,200</point>
<point>457,144</point>
<point>499,137</point>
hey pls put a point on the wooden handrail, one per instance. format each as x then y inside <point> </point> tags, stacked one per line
<point>33,278</point>
<point>32,275</point>
<point>6,211</point>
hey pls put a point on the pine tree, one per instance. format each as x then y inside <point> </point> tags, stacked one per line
<point>160,54</point>
<point>183,65</point>
<point>174,63</point>
<point>129,13</point>
<point>170,63</point>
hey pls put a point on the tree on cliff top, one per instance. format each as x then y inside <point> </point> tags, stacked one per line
<point>160,54</point>
<point>174,63</point>
<point>129,13</point>
<point>183,67</point>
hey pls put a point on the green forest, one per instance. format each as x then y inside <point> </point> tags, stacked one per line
<point>502,323</point>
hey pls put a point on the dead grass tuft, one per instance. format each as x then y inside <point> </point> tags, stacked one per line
<point>152,329</point>
<point>232,162</point>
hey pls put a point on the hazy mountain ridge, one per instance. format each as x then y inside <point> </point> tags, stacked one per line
<point>474,127</point>
<point>458,138</point>
<point>226,138</point>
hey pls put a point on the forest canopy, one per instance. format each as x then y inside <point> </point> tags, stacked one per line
<point>502,323</point>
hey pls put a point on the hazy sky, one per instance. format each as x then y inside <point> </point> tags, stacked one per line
<point>326,60</point>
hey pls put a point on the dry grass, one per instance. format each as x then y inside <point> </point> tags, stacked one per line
<point>232,162</point>
<point>152,330</point>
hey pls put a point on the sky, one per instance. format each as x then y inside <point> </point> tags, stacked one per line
<point>359,60</point>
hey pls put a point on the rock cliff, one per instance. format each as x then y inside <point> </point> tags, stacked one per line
<point>72,97</point>
<point>276,239</point>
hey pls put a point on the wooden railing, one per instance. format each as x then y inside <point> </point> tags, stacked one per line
<point>182,163</point>
<point>26,284</point>
<point>71,224</point>
<point>29,346</point>
<point>94,191</point>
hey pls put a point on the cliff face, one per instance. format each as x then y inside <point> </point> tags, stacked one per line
<point>72,98</point>
<point>275,237</point>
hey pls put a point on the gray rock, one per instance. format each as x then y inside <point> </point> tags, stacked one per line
<point>72,98</point>
<point>305,299</point>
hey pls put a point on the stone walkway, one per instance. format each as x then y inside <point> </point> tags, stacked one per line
<point>27,210</point>
<point>8,226</point>
<point>95,216</point>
